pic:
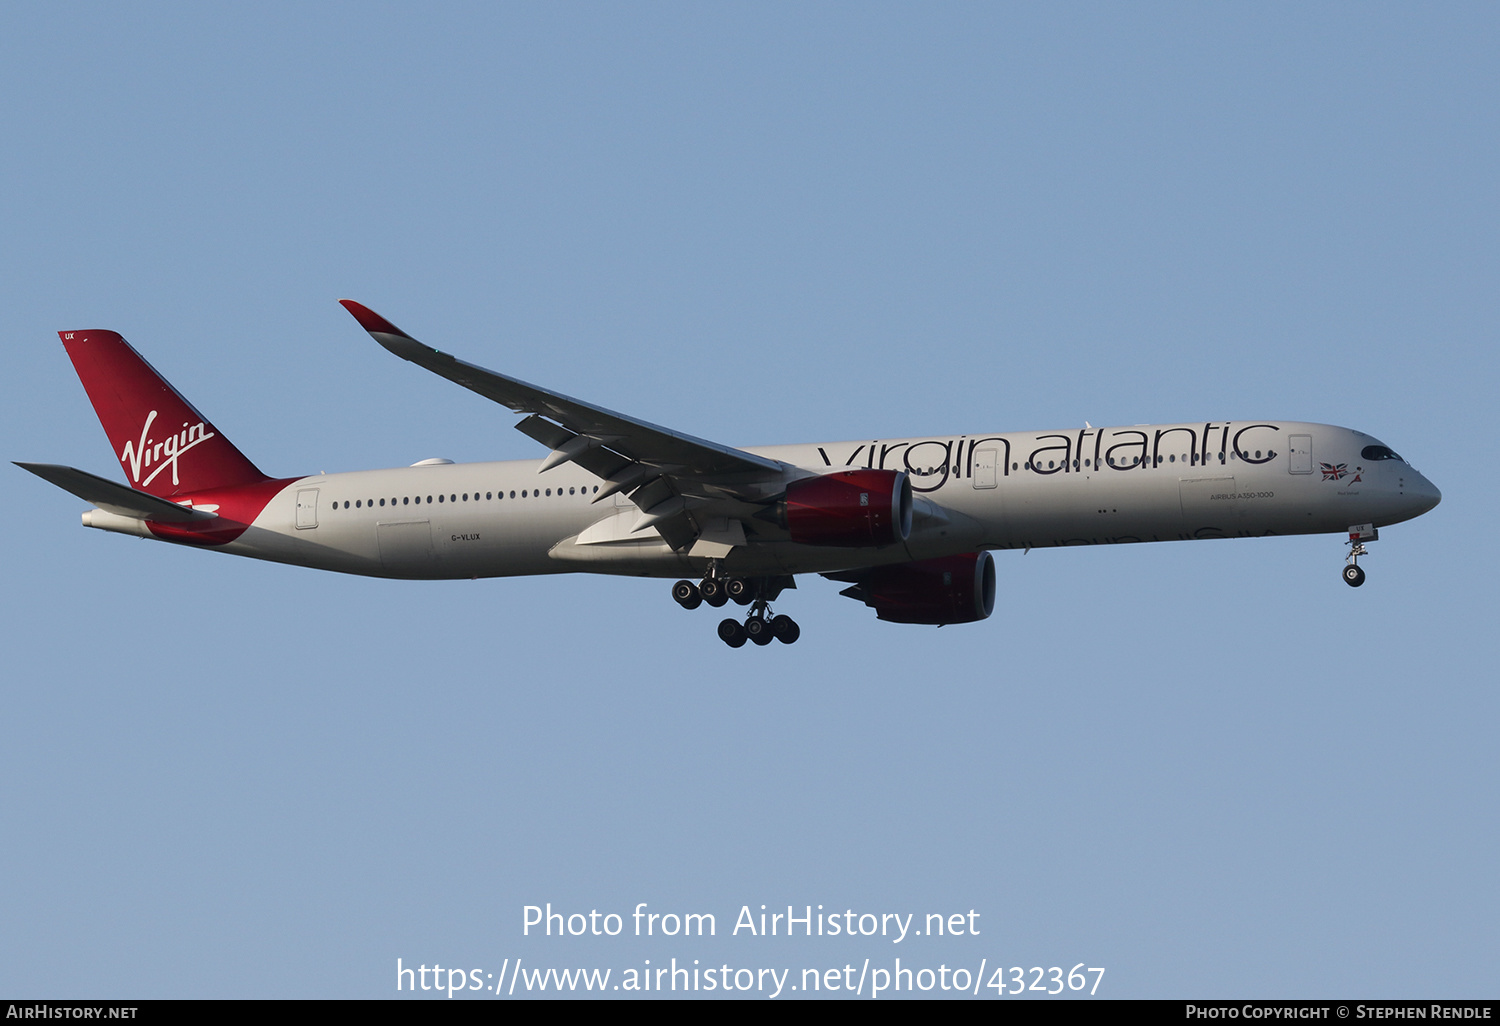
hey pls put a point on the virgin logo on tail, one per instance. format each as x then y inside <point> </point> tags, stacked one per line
<point>146,451</point>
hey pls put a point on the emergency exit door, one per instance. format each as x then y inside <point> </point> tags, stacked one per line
<point>307,508</point>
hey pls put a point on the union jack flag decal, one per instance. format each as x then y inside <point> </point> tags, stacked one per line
<point>1334,471</point>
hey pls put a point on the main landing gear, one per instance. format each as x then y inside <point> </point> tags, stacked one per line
<point>1354,575</point>
<point>759,627</point>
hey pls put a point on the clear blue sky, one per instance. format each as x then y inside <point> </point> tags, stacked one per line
<point>1211,767</point>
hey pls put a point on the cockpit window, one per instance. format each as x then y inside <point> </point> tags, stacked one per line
<point>1378,452</point>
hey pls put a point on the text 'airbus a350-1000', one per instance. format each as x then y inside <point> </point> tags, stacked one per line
<point>908,524</point>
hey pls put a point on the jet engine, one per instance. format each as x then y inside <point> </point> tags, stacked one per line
<point>951,589</point>
<point>848,508</point>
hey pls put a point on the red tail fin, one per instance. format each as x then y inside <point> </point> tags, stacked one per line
<point>166,447</point>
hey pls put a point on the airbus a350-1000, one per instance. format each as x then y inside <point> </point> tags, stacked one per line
<point>909,524</point>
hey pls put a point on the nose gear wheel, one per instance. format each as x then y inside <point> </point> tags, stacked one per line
<point>1354,574</point>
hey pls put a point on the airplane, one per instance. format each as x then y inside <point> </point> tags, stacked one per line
<point>910,524</point>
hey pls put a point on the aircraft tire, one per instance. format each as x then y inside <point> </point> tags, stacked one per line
<point>731,633</point>
<point>759,631</point>
<point>686,595</point>
<point>1354,576</point>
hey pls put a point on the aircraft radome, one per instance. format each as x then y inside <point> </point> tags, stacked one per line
<point>908,523</point>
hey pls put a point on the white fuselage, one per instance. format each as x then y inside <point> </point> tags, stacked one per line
<point>1028,489</point>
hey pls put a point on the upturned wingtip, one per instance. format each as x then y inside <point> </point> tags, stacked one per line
<point>370,320</point>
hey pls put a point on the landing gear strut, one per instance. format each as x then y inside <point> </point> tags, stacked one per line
<point>1354,576</point>
<point>760,626</point>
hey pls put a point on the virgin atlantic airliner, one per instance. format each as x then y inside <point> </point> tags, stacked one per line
<point>909,524</point>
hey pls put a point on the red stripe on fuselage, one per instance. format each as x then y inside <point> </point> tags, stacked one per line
<point>238,508</point>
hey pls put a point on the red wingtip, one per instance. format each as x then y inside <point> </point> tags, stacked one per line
<point>370,320</point>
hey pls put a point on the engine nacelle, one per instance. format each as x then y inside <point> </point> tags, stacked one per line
<point>849,507</point>
<point>952,589</point>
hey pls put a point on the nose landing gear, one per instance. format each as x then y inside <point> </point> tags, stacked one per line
<point>1354,575</point>
<point>760,626</point>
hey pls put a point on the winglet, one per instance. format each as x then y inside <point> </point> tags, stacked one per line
<point>388,335</point>
<point>372,321</point>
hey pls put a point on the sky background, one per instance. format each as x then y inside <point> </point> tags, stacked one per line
<point>1211,768</point>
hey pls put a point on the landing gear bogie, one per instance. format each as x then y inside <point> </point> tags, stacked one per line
<point>759,626</point>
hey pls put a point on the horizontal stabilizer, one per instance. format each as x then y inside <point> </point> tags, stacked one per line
<point>115,498</point>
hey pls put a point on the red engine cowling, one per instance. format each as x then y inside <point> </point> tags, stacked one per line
<point>953,589</point>
<point>850,507</point>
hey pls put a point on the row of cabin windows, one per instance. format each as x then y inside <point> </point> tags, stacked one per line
<point>1134,461</point>
<point>537,492</point>
<point>532,493</point>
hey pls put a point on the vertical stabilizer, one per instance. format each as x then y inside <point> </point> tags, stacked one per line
<point>165,446</point>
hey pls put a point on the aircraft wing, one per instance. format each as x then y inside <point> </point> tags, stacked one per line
<point>676,479</point>
<point>115,498</point>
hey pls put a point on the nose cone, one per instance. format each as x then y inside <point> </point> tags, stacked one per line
<point>1422,494</point>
